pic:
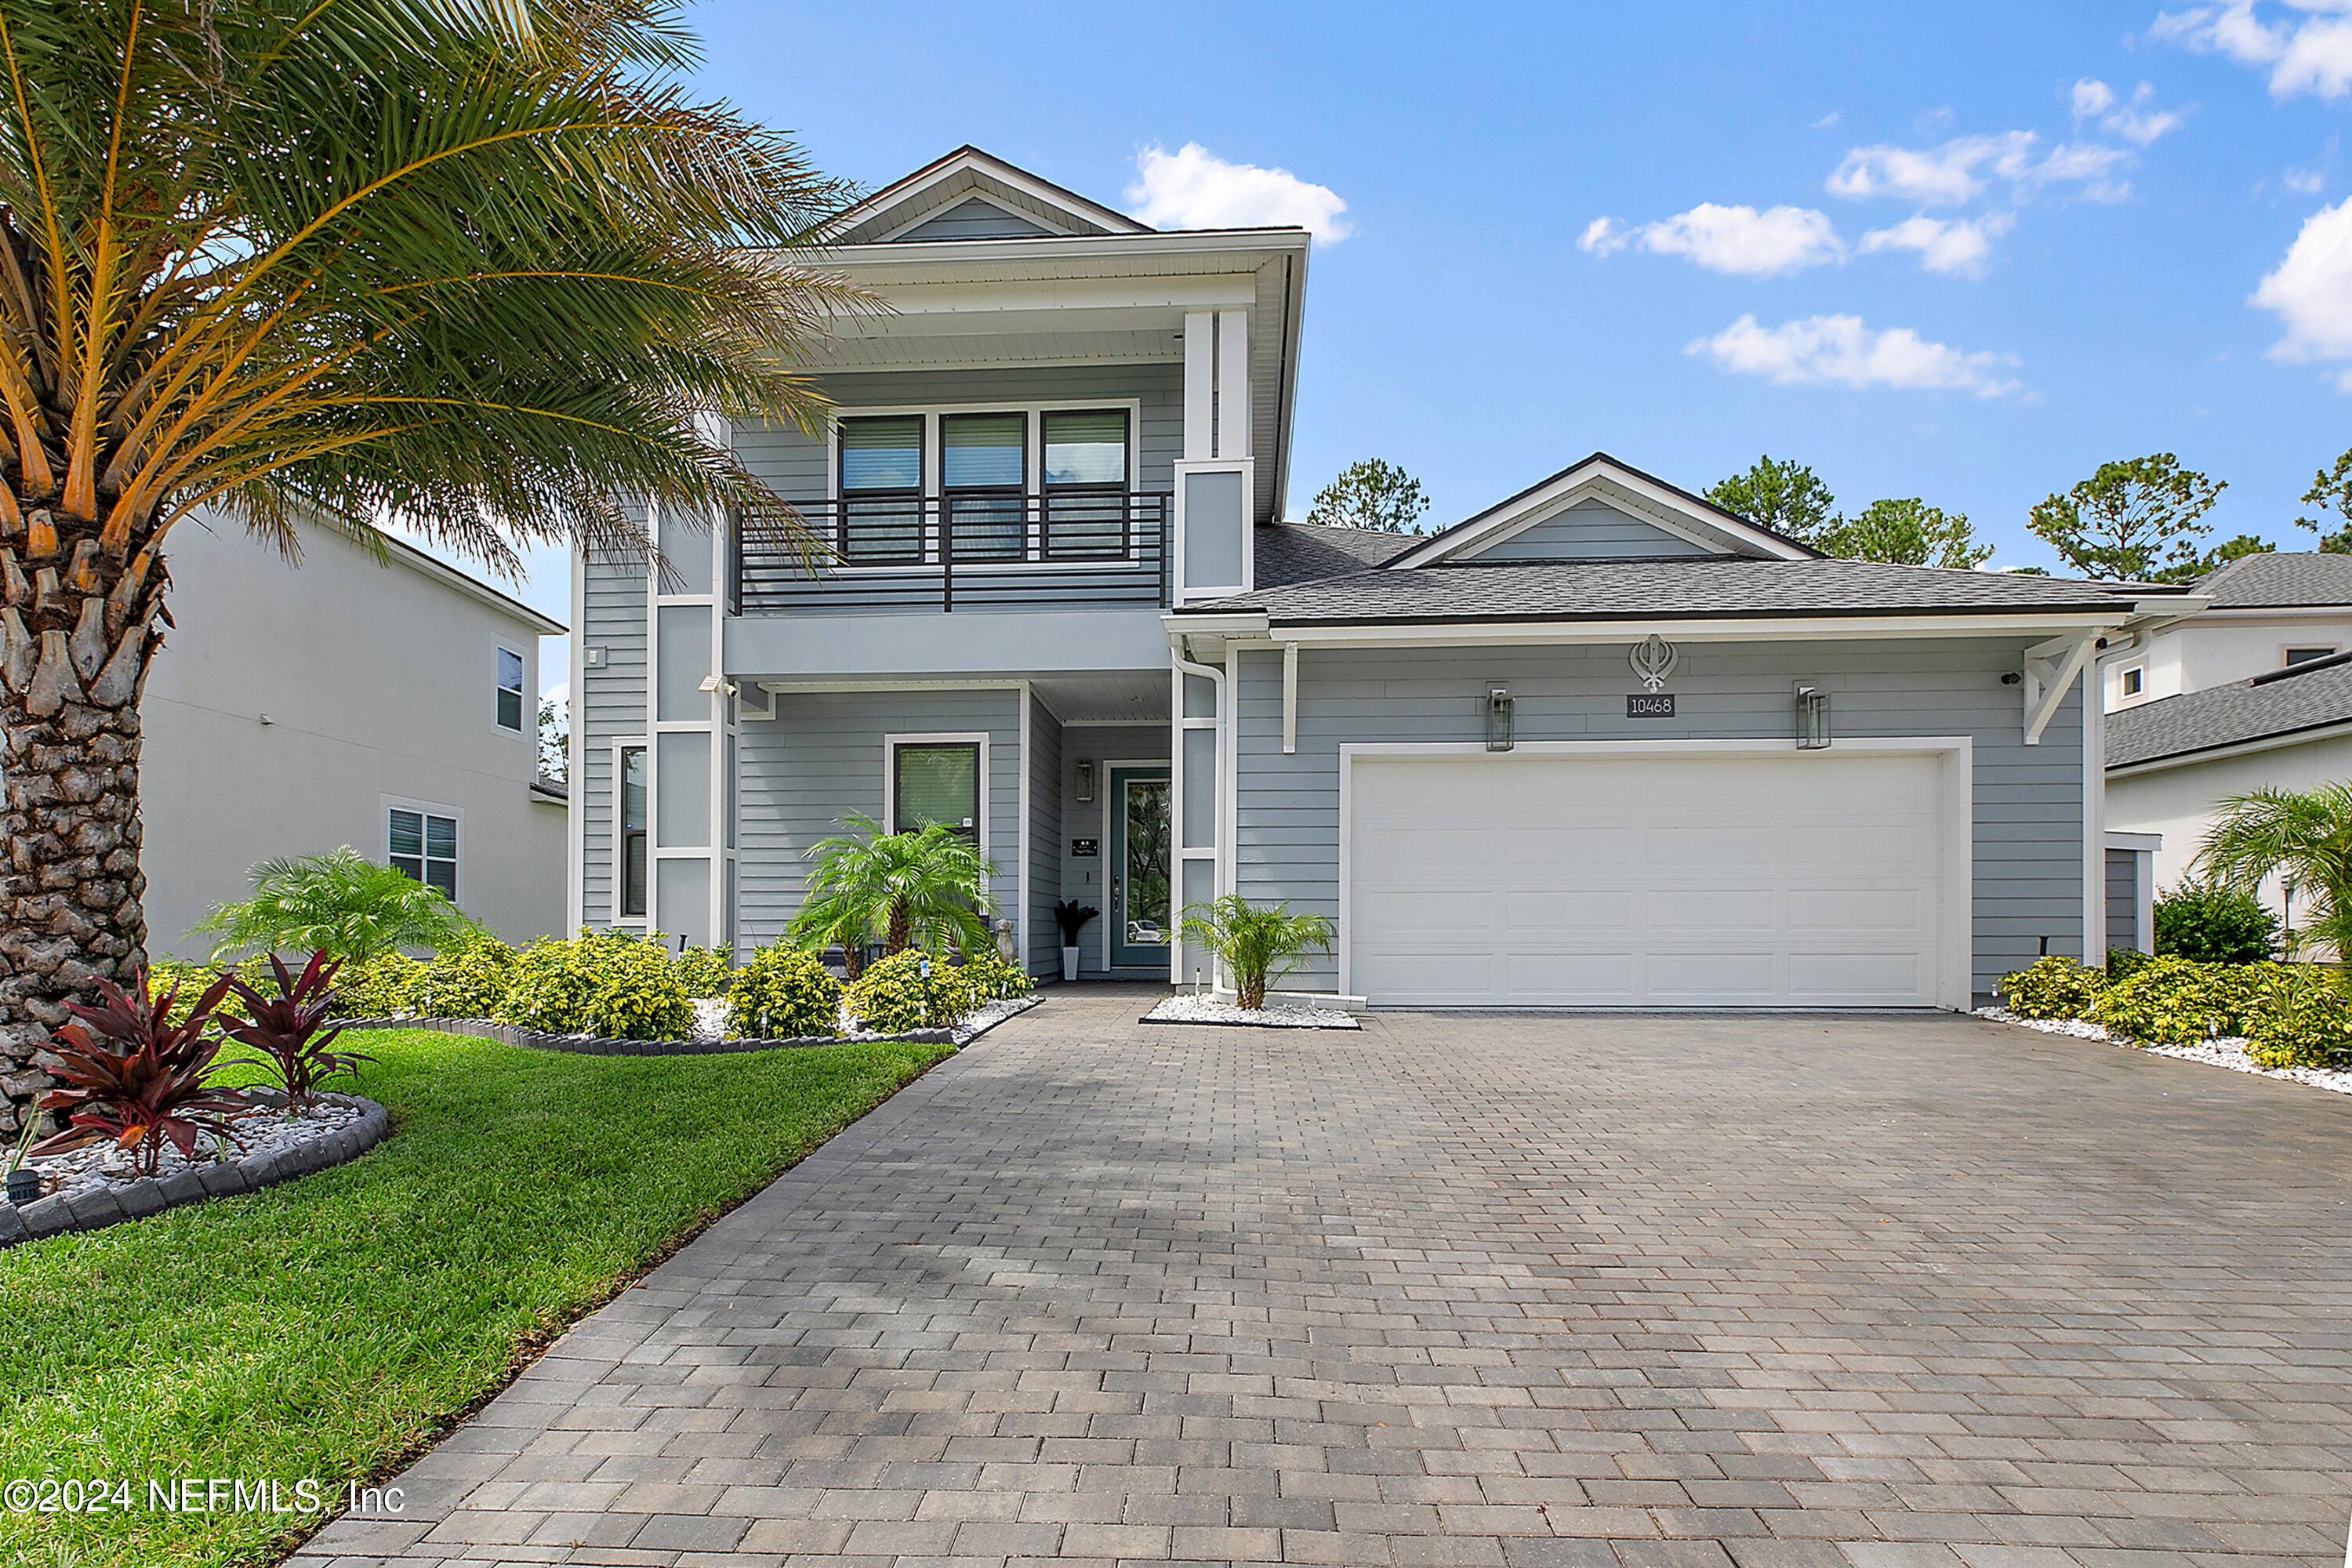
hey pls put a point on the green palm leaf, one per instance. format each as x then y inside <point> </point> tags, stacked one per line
<point>349,908</point>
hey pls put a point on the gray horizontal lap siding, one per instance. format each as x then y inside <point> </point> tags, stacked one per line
<point>2123,899</point>
<point>794,464</point>
<point>1589,531</point>
<point>610,707</point>
<point>822,759</point>
<point>975,219</point>
<point>2028,799</point>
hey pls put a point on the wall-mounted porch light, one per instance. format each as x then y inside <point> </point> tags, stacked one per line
<point>1812,718</point>
<point>1501,728</point>
<point>1086,781</point>
<point>720,684</point>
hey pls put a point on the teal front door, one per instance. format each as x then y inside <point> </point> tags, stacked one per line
<point>1141,862</point>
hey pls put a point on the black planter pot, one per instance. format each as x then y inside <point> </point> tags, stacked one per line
<point>23,1187</point>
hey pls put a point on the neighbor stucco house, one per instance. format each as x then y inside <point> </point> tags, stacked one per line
<point>386,702</point>
<point>2267,611</point>
<point>1603,743</point>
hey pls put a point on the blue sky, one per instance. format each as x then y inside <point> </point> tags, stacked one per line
<point>1998,261</point>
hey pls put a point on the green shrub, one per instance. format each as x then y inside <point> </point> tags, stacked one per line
<point>467,980</point>
<point>193,980</point>
<point>389,985</point>
<point>2123,962</point>
<point>2171,1000</point>
<point>783,992</point>
<point>2301,1020</point>
<point>2213,924</point>
<point>2052,987</point>
<point>890,997</point>
<point>610,984</point>
<point>705,971</point>
<point>990,976</point>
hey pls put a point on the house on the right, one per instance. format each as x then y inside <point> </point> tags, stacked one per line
<point>2256,691</point>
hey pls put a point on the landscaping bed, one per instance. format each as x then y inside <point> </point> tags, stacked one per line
<point>966,1029</point>
<point>332,1328</point>
<point>1187,1009</point>
<point>2226,1051</point>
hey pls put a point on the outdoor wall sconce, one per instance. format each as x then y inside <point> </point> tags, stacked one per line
<point>1812,718</point>
<point>1086,781</point>
<point>1501,734</point>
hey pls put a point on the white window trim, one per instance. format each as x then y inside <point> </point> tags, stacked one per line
<point>1956,972</point>
<point>2286,648</point>
<point>890,744</point>
<point>2140,670</point>
<point>614,916</point>
<point>530,708</point>
<point>388,804</point>
<point>1032,469</point>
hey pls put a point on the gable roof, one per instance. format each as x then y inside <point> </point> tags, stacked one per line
<point>1645,496</point>
<point>2275,706</point>
<point>949,182</point>
<point>2280,579</point>
<point>1721,586</point>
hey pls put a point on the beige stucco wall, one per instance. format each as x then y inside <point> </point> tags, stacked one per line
<point>2178,802</point>
<point>2220,647</point>
<point>380,684</point>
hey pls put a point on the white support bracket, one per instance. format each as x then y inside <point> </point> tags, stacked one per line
<point>1289,697</point>
<point>2049,670</point>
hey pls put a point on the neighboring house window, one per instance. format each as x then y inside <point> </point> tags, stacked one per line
<point>937,783</point>
<point>983,459</point>
<point>633,833</point>
<point>425,847</point>
<point>509,691</point>
<point>882,489</point>
<point>2131,682</point>
<point>1085,482</point>
<point>2305,654</point>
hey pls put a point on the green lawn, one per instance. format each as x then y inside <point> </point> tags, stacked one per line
<point>330,1327</point>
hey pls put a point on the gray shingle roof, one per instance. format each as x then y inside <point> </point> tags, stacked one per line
<point>1300,551</point>
<point>2279,580</point>
<point>2301,697</point>
<point>1568,590</point>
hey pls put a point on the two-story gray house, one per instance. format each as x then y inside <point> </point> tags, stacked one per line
<point>1602,745</point>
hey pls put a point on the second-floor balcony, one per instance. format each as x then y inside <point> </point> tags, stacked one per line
<point>962,551</point>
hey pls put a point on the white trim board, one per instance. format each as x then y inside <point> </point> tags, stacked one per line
<point>1955,971</point>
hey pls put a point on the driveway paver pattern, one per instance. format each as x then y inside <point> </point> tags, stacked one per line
<point>1517,1291</point>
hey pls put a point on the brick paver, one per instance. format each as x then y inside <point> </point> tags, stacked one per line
<point>1510,1291</point>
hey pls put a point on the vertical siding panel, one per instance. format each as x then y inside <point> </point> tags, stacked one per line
<point>611,705</point>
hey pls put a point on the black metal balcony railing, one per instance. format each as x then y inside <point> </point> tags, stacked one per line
<point>964,550</point>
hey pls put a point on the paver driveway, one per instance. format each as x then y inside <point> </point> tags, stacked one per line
<point>1499,1289</point>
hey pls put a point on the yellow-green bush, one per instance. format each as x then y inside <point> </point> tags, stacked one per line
<point>891,997</point>
<point>610,984</point>
<point>389,985</point>
<point>782,993</point>
<point>192,981</point>
<point>704,970</point>
<point>2052,987</point>
<point>2301,1020</point>
<point>991,976</point>
<point>468,980</point>
<point>2171,1000</point>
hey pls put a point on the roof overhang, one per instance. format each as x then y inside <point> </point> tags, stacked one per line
<point>1602,477</point>
<point>2326,729</point>
<point>1249,627</point>
<point>909,201</point>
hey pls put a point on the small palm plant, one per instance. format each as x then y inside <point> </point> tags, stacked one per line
<point>2305,836</point>
<point>337,903</point>
<point>926,889</point>
<point>1255,943</point>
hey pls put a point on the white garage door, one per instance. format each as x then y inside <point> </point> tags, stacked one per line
<point>1646,880</point>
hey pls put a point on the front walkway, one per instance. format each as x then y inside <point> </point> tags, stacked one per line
<point>1508,1289</point>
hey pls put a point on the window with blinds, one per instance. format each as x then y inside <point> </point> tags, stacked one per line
<point>937,783</point>
<point>1084,453</point>
<point>983,464</point>
<point>881,491</point>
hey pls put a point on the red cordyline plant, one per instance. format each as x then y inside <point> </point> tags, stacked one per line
<point>134,1078</point>
<point>285,1029</point>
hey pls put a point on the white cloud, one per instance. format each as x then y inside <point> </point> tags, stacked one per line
<point>2310,290</point>
<point>2092,99</point>
<point>1959,171</point>
<point>1957,246</point>
<point>1841,351</point>
<point>2304,181</point>
<point>2138,121</point>
<point>2311,53</point>
<point>1826,120</point>
<point>1195,188</point>
<point>1738,239</point>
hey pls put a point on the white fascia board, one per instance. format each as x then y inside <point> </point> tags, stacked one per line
<point>1193,291</point>
<point>2237,749</point>
<point>1475,634</point>
<point>1245,623</point>
<point>449,576</point>
<point>1243,249</point>
<point>2135,842</point>
<point>910,190</point>
<point>1699,527</point>
<point>2278,613</point>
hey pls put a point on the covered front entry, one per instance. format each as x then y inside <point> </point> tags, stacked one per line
<point>1698,874</point>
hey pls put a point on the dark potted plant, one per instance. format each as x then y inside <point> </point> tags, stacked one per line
<point>1072,917</point>
<point>23,1184</point>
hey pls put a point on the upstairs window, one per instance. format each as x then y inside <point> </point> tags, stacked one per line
<point>881,491</point>
<point>2131,681</point>
<point>633,833</point>
<point>510,698</point>
<point>1085,482</point>
<point>937,783</point>
<point>2305,654</point>
<point>983,460</point>
<point>425,845</point>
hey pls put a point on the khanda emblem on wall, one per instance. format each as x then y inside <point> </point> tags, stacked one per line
<point>1652,659</point>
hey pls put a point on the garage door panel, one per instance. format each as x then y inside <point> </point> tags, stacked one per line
<point>1618,878</point>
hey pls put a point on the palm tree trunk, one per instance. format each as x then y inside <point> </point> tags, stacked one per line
<point>900,931</point>
<point>77,632</point>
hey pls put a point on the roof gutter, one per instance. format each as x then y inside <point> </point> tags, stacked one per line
<point>2328,730</point>
<point>1258,627</point>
